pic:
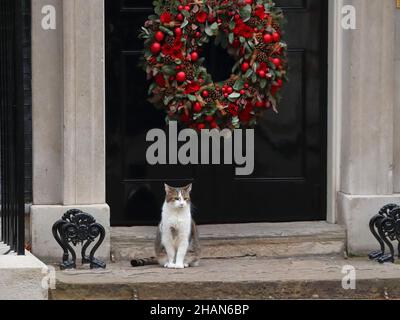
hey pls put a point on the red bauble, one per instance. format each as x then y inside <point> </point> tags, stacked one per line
<point>159,36</point>
<point>209,118</point>
<point>249,1</point>
<point>276,36</point>
<point>276,62</point>
<point>179,17</point>
<point>181,76</point>
<point>187,8</point>
<point>180,8</point>
<point>260,104</point>
<point>197,107</point>
<point>178,31</point>
<point>201,126</point>
<point>194,56</point>
<point>242,92</point>
<point>245,67</point>
<point>155,48</point>
<point>267,38</point>
<point>205,94</point>
<point>261,74</point>
<point>214,125</point>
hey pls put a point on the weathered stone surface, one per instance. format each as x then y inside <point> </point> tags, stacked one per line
<point>239,278</point>
<point>238,240</point>
<point>21,277</point>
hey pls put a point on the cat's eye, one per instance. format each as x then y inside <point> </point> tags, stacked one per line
<point>186,199</point>
<point>176,199</point>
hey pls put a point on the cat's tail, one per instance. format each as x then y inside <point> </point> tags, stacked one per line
<point>144,262</point>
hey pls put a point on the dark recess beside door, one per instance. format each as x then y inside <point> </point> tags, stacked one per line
<point>289,180</point>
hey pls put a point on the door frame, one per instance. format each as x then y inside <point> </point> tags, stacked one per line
<point>334,115</point>
<point>334,105</point>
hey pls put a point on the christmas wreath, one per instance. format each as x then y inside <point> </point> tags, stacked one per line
<point>250,31</point>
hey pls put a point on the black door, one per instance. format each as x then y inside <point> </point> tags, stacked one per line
<point>289,180</point>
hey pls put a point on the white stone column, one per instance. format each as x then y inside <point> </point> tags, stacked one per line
<point>397,106</point>
<point>368,118</point>
<point>72,127</point>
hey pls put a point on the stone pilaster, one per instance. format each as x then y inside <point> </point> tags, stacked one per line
<point>74,128</point>
<point>367,149</point>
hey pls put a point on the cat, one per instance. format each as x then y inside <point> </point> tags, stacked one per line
<point>177,242</point>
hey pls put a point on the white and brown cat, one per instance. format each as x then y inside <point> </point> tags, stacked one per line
<point>177,242</point>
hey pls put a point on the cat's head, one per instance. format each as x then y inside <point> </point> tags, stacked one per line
<point>178,198</point>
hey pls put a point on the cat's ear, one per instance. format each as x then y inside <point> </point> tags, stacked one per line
<point>188,188</point>
<point>167,188</point>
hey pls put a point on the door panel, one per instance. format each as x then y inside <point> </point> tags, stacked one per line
<point>289,180</point>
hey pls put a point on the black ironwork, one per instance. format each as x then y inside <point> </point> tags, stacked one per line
<point>12,125</point>
<point>77,227</point>
<point>385,227</point>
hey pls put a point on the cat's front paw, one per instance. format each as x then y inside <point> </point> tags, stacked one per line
<point>170,265</point>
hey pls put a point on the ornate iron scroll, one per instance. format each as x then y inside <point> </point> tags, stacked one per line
<point>77,227</point>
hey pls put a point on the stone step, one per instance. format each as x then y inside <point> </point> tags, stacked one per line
<point>317,277</point>
<point>240,240</point>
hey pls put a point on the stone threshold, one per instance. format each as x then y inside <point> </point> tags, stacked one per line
<point>240,240</point>
<point>318,277</point>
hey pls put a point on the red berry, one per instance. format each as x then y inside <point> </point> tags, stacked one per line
<point>237,17</point>
<point>219,20</point>
<point>187,8</point>
<point>226,95</point>
<point>267,38</point>
<point>194,56</point>
<point>260,104</point>
<point>214,125</point>
<point>276,62</point>
<point>205,94</point>
<point>276,36</point>
<point>242,92</point>
<point>178,31</point>
<point>229,90</point>
<point>155,48</point>
<point>159,36</point>
<point>261,74</point>
<point>197,107</point>
<point>246,85</point>
<point>201,126</point>
<point>280,82</point>
<point>249,1</point>
<point>179,17</point>
<point>245,67</point>
<point>180,8</point>
<point>185,118</point>
<point>198,34</point>
<point>181,76</point>
<point>209,118</point>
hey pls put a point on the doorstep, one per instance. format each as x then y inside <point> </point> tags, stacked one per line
<point>240,240</point>
<point>317,277</point>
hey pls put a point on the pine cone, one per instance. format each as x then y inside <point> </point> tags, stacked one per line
<point>276,26</point>
<point>262,56</point>
<point>253,22</point>
<point>168,59</point>
<point>155,26</point>
<point>215,95</point>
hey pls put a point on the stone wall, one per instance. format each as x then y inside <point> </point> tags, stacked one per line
<point>369,143</point>
<point>68,119</point>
